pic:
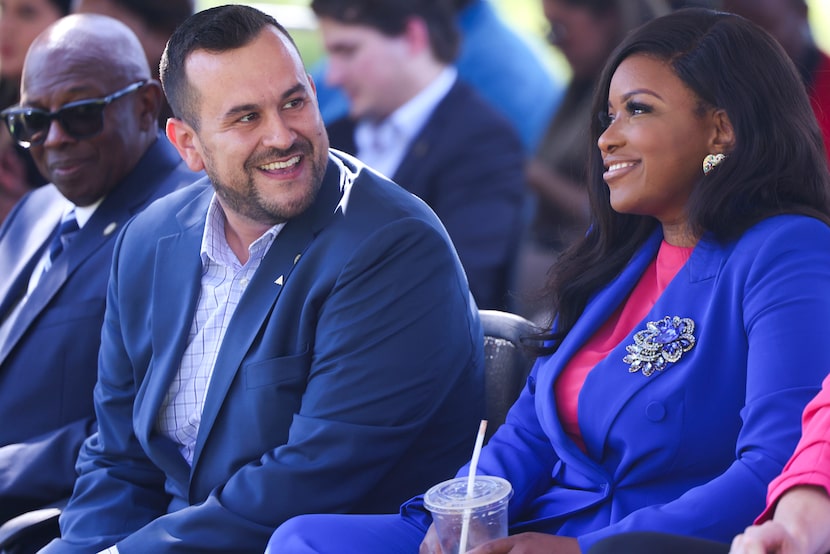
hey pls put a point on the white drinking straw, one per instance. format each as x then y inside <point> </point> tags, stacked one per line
<point>471,477</point>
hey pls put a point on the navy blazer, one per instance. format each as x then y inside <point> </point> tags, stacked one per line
<point>350,376</point>
<point>689,449</point>
<point>49,359</point>
<point>467,163</point>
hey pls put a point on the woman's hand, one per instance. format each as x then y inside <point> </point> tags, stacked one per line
<point>529,543</point>
<point>799,526</point>
<point>769,537</point>
<point>430,544</point>
<point>523,543</point>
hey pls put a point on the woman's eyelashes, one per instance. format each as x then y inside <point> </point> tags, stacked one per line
<point>636,108</point>
<point>632,108</point>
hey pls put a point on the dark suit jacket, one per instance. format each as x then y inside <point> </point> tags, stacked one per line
<point>467,163</point>
<point>349,378</point>
<point>49,359</point>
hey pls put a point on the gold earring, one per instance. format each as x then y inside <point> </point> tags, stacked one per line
<point>711,161</point>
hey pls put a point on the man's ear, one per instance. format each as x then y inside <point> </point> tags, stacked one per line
<point>184,138</point>
<point>150,99</point>
<point>723,135</point>
<point>416,34</point>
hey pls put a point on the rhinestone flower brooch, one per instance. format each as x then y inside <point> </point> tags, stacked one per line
<point>659,344</point>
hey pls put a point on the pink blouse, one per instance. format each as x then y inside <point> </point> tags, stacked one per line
<point>616,329</point>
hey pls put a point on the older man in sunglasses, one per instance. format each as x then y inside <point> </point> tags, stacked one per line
<point>88,113</point>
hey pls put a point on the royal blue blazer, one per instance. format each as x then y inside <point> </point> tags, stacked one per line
<point>49,360</point>
<point>350,376</point>
<point>691,448</point>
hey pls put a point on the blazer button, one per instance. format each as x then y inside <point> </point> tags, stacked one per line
<point>655,411</point>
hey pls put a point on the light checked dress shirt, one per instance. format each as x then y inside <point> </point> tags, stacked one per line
<point>224,280</point>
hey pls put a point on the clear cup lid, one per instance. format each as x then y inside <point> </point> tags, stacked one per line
<point>451,496</point>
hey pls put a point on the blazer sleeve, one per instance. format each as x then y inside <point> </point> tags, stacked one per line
<point>786,306</point>
<point>520,451</point>
<point>40,470</point>
<point>810,464</point>
<point>118,488</point>
<point>394,333</point>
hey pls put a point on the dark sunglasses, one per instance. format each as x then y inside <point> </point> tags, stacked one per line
<point>82,119</point>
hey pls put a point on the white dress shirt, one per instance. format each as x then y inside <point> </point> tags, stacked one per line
<point>382,145</point>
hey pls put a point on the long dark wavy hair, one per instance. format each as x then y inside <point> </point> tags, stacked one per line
<point>777,165</point>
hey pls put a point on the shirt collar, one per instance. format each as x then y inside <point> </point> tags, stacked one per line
<point>409,118</point>
<point>215,247</point>
<point>412,116</point>
<point>82,213</point>
<point>382,145</point>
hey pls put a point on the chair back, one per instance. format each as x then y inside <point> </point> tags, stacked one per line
<point>506,362</point>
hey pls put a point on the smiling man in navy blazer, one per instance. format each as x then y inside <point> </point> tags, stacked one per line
<point>297,338</point>
<point>106,161</point>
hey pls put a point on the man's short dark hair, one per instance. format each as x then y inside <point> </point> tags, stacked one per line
<point>391,16</point>
<point>215,30</point>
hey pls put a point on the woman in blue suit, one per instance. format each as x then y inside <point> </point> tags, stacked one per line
<point>691,321</point>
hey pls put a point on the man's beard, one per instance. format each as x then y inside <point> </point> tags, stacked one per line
<point>245,199</point>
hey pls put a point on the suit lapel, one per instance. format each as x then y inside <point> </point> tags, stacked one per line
<point>596,313</point>
<point>262,294</point>
<point>618,384</point>
<point>410,172</point>
<point>25,239</point>
<point>121,203</point>
<point>100,229</point>
<point>176,282</point>
<point>20,252</point>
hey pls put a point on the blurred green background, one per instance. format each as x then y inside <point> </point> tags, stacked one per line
<point>524,15</point>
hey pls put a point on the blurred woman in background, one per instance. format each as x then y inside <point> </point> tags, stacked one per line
<point>585,32</point>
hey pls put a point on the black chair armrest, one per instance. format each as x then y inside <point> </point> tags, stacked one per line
<point>29,531</point>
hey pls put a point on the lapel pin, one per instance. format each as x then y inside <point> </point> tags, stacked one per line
<point>108,230</point>
<point>279,281</point>
<point>297,258</point>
